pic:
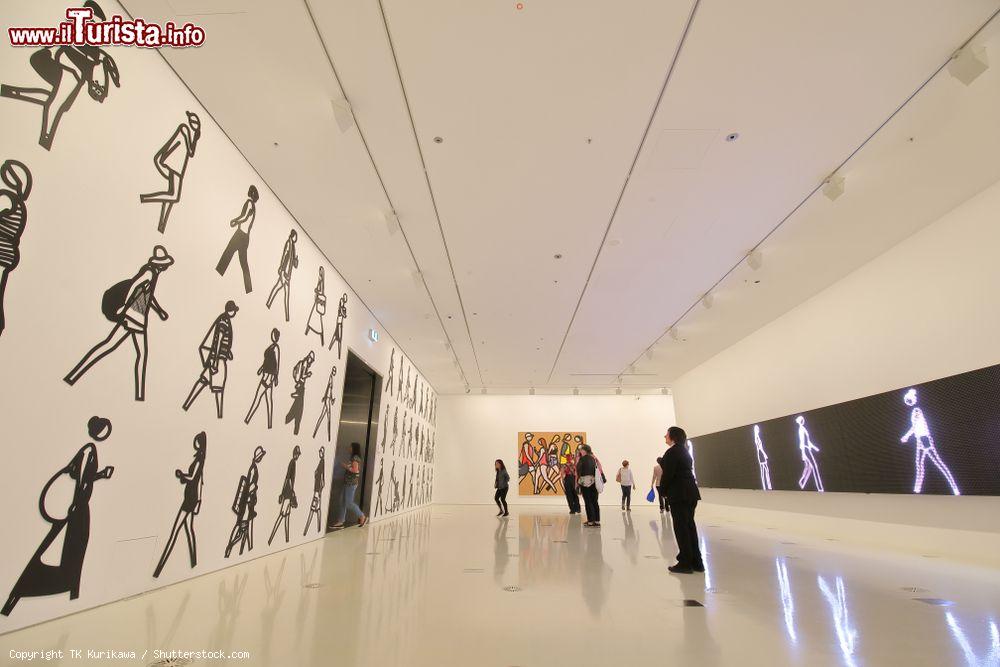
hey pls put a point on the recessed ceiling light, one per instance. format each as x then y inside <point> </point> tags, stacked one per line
<point>732,136</point>
<point>438,140</point>
<point>558,255</point>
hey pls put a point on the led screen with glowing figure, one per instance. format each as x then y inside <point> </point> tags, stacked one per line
<point>765,473</point>
<point>940,437</point>
<point>806,447</point>
<point>921,434</point>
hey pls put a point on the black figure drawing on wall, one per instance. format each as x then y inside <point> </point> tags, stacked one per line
<point>13,219</point>
<point>413,483</point>
<point>127,304</point>
<point>338,332</point>
<point>392,369</point>
<point>286,499</point>
<point>402,495</point>
<point>289,261</point>
<point>239,244</point>
<point>385,430</point>
<point>216,351</point>
<point>399,386</point>
<point>406,395</point>
<point>319,483</point>
<point>39,578</point>
<point>66,69</point>
<point>315,321</point>
<point>245,506</point>
<point>192,480</point>
<point>390,507</point>
<point>378,482</point>
<point>300,373</point>
<point>268,373</point>
<point>395,428</point>
<point>172,162</point>
<point>329,397</point>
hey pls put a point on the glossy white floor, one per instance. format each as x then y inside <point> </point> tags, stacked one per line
<point>453,585</point>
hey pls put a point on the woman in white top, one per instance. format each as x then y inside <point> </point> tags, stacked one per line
<point>625,479</point>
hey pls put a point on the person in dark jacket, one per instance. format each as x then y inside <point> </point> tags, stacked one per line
<point>678,486</point>
<point>570,487</point>
<point>502,485</point>
<point>587,470</point>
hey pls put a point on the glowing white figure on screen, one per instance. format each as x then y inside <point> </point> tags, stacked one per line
<point>690,446</point>
<point>921,435</point>
<point>973,660</point>
<point>847,634</point>
<point>806,447</point>
<point>787,603</point>
<point>765,473</point>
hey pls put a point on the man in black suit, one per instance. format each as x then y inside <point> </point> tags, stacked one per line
<point>678,486</point>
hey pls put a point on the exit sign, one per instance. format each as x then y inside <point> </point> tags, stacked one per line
<point>373,335</point>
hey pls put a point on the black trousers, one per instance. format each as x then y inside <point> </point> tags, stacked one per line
<point>573,500</point>
<point>627,496</point>
<point>686,534</point>
<point>663,501</point>
<point>590,502</point>
<point>500,498</point>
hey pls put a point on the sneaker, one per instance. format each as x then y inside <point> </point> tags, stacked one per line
<point>623,508</point>
<point>362,521</point>
<point>680,569</point>
<point>506,513</point>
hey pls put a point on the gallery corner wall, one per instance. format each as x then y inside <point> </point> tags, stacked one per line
<point>476,430</point>
<point>128,221</point>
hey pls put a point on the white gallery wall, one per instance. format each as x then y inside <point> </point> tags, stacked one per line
<point>84,231</point>
<point>923,310</point>
<point>475,430</point>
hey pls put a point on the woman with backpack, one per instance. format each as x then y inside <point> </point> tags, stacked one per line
<point>127,304</point>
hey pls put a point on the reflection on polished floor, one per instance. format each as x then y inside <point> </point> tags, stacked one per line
<point>452,585</point>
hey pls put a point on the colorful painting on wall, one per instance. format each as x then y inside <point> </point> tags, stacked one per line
<point>541,458</point>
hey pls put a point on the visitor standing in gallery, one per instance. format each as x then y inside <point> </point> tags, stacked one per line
<point>502,485</point>
<point>569,484</point>
<point>627,483</point>
<point>588,474</point>
<point>681,491</point>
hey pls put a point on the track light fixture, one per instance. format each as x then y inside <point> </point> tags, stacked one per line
<point>343,113</point>
<point>708,300</point>
<point>755,259</point>
<point>665,391</point>
<point>968,63</point>
<point>531,391</point>
<point>833,186</point>
<point>390,221</point>
<point>483,391</point>
<point>418,277</point>
<point>649,354</point>
<point>672,332</point>
<point>467,389</point>
<point>576,391</point>
<point>618,391</point>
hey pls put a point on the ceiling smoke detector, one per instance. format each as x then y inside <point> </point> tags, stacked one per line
<point>732,136</point>
<point>438,140</point>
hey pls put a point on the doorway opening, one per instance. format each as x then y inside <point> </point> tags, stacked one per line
<point>359,420</point>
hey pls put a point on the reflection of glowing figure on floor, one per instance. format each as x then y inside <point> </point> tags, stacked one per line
<point>847,634</point>
<point>787,603</point>
<point>806,446</point>
<point>991,658</point>
<point>690,446</point>
<point>765,473</point>
<point>921,435</point>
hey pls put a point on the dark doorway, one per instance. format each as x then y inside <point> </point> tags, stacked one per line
<point>359,417</point>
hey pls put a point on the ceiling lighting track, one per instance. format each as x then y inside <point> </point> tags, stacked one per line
<point>430,189</point>
<point>821,184</point>
<point>628,178</point>
<point>385,191</point>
